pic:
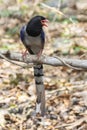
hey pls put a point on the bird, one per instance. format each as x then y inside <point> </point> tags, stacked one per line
<point>33,38</point>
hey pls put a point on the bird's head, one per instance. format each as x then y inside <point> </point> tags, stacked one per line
<point>35,25</point>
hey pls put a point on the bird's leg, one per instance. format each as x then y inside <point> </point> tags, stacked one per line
<point>39,54</point>
<point>24,54</point>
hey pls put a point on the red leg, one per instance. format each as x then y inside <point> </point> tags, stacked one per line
<point>24,54</point>
<point>39,54</point>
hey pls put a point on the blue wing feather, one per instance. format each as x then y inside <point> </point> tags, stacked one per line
<point>22,33</point>
<point>42,37</point>
<point>22,36</point>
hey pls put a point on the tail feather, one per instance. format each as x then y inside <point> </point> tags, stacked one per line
<point>38,73</point>
<point>40,102</point>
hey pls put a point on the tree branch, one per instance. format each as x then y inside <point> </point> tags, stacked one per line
<point>54,61</point>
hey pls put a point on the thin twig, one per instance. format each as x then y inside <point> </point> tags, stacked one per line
<point>73,124</point>
<point>57,11</point>
<point>68,65</point>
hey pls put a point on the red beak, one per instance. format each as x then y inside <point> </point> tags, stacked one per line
<point>44,22</point>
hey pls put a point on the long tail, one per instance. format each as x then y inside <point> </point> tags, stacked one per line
<point>40,90</point>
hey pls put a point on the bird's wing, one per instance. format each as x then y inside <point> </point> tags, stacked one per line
<point>22,33</point>
<point>23,36</point>
<point>42,38</point>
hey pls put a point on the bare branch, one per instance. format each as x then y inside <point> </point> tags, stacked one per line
<point>54,61</point>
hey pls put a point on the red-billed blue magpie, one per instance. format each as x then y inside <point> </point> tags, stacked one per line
<point>33,37</point>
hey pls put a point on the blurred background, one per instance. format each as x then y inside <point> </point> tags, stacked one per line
<point>66,36</point>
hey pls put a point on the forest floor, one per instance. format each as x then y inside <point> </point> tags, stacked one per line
<point>66,88</point>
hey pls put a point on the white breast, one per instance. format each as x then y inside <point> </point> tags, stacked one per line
<point>34,43</point>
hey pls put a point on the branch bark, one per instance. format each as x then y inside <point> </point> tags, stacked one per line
<point>54,61</point>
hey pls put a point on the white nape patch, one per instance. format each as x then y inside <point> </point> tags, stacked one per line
<point>38,108</point>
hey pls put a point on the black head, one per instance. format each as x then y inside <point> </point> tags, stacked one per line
<point>34,26</point>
